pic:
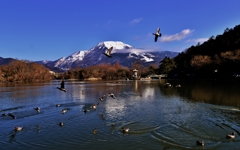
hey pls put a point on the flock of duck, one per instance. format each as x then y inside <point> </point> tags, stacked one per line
<point>94,106</point>
<point>63,111</point>
<point>230,136</point>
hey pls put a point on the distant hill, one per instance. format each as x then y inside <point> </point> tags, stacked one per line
<point>4,61</point>
<point>219,56</point>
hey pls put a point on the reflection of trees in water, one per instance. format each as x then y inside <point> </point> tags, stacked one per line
<point>208,91</point>
<point>23,91</point>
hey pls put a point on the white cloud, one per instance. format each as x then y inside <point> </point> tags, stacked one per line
<point>177,36</point>
<point>200,40</point>
<point>132,50</point>
<point>135,21</point>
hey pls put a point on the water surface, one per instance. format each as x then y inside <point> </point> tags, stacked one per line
<point>158,117</point>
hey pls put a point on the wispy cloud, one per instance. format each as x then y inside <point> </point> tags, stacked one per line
<point>200,40</point>
<point>177,36</point>
<point>135,21</point>
<point>132,50</point>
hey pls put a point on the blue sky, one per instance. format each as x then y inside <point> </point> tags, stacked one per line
<point>50,29</point>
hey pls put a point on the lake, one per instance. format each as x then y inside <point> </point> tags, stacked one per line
<point>158,117</point>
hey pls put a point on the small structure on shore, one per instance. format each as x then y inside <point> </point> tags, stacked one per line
<point>135,76</point>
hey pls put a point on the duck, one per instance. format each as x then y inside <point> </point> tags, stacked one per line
<point>11,115</point>
<point>58,105</point>
<point>94,106</point>
<point>102,116</point>
<point>64,111</point>
<point>37,109</point>
<point>101,98</point>
<point>200,143</point>
<point>4,114</point>
<point>167,85</point>
<point>111,95</point>
<point>85,110</point>
<point>125,130</point>
<point>62,88</point>
<point>61,124</point>
<point>95,131</point>
<point>18,128</point>
<point>108,53</point>
<point>231,136</point>
<point>157,34</point>
<point>178,85</point>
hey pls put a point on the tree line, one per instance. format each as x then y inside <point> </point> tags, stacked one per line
<point>217,57</point>
<point>108,71</point>
<point>24,71</point>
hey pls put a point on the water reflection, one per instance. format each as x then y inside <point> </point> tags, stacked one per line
<point>207,91</point>
<point>158,117</point>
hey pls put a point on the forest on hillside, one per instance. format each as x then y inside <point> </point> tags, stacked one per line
<point>24,71</point>
<point>219,57</point>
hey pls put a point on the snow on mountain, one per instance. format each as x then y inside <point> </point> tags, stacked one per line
<point>123,53</point>
<point>65,62</point>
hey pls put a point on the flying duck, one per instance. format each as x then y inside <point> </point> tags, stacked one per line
<point>11,115</point>
<point>62,88</point>
<point>18,128</point>
<point>157,34</point>
<point>231,136</point>
<point>125,130</point>
<point>108,53</point>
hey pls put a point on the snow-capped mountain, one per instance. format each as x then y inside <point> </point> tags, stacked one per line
<point>123,53</point>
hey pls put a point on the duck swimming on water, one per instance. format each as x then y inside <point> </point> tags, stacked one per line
<point>125,130</point>
<point>200,143</point>
<point>64,111</point>
<point>18,128</point>
<point>111,95</point>
<point>230,136</point>
<point>101,98</point>
<point>61,124</point>
<point>37,109</point>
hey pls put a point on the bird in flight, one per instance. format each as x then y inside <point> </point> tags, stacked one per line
<point>62,88</point>
<point>157,34</point>
<point>108,53</point>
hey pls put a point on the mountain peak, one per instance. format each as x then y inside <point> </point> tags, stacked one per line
<point>114,44</point>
